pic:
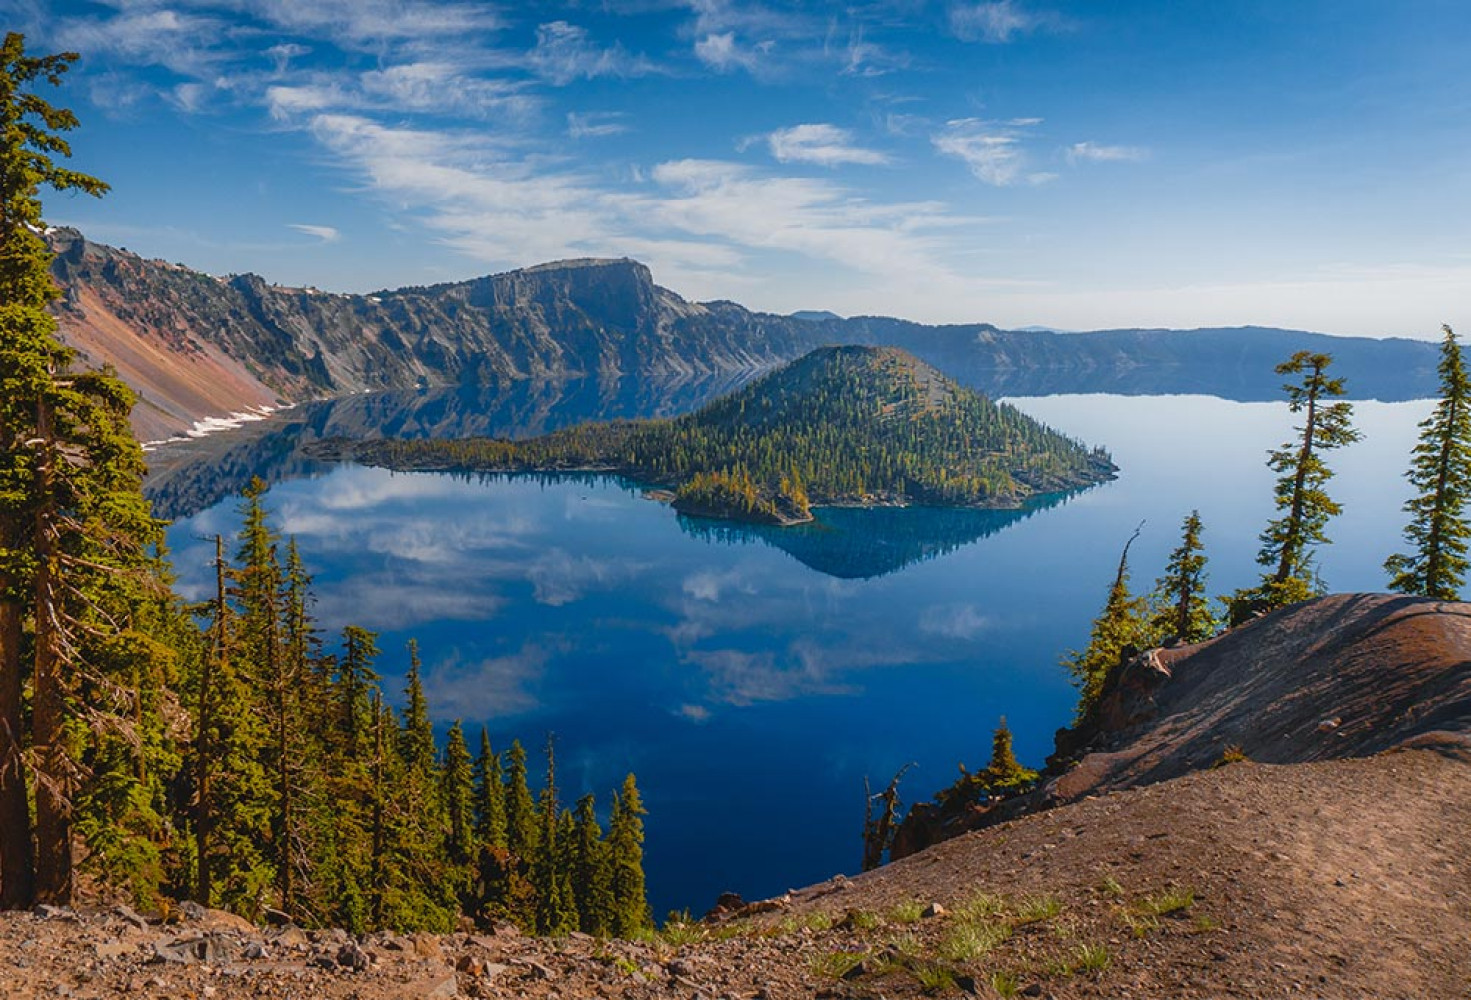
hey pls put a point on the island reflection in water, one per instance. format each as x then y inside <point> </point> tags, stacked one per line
<point>853,543</point>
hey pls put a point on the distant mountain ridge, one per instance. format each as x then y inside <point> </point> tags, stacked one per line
<point>197,346</point>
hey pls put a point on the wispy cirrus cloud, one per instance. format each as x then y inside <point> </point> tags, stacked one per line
<point>427,87</point>
<point>722,53</point>
<point>1093,152</point>
<point>185,43</point>
<point>327,234</point>
<point>374,24</point>
<point>998,21</point>
<point>822,144</point>
<point>596,124</point>
<point>565,52</point>
<point>992,150</point>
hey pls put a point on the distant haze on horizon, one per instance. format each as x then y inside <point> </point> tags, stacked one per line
<point>1014,162</point>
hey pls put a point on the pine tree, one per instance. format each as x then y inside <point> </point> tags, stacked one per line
<point>416,734</point>
<point>71,509</point>
<point>266,663</point>
<point>490,796</point>
<point>591,872</point>
<point>1182,609</point>
<point>458,793</point>
<point>355,681</point>
<point>554,912</point>
<point>520,811</point>
<point>626,862</point>
<point>1004,770</point>
<point>1288,541</point>
<point>1440,472</point>
<point>1119,629</point>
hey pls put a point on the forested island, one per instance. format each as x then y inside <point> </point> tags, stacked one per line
<point>840,426</point>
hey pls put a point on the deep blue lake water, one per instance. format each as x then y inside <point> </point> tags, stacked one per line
<point>753,677</point>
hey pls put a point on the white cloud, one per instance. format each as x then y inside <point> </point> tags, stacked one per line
<point>954,621</point>
<point>443,87</point>
<point>327,234</point>
<point>489,688</point>
<point>1093,152</point>
<point>825,145</point>
<point>739,678</point>
<point>282,55</point>
<point>722,53</point>
<point>808,216</point>
<point>693,713</point>
<point>183,43</point>
<point>559,578</point>
<point>564,53</point>
<point>595,124</point>
<point>370,24</point>
<point>996,22</point>
<point>992,150</point>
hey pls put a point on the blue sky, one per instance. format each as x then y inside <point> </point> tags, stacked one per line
<point>1075,164</point>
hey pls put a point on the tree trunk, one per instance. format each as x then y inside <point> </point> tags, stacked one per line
<point>203,750</point>
<point>17,849</point>
<point>1292,541</point>
<point>54,883</point>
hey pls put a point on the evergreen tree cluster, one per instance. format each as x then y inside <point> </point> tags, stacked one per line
<point>262,771</point>
<point>1178,608</point>
<point>843,424</point>
<point>1440,474</point>
<point>312,796</point>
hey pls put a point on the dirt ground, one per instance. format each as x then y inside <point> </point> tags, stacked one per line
<point>1339,879</point>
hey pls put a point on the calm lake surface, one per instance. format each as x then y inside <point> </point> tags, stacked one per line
<point>753,677</point>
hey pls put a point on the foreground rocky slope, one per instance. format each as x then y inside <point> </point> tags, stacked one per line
<point>1336,876</point>
<point>196,346</point>
<point>1339,879</point>
<point>1346,675</point>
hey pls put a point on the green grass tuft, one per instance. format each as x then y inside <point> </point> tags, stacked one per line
<point>680,934</point>
<point>934,977</point>
<point>837,964</point>
<point>908,912</point>
<point>1033,909</point>
<point>1006,983</point>
<point>1165,902</point>
<point>970,940</point>
<point>1091,958</point>
<point>980,906</point>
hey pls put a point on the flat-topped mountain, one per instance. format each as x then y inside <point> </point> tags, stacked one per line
<point>196,346</point>
<point>841,425</point>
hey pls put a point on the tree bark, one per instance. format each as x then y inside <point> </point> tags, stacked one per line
<point>17,849</point>
<point>54,878</point>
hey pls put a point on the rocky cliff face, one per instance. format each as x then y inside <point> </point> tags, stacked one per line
<point>196,346</point>
<point>602,318</point>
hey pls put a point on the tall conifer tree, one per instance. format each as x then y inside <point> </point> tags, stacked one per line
<point>458,790</point>
<point>554,913</point>
<point>1181,607</point>
<point>1440,473</point>
<point>1301,492</point>
<point>626,861</point>
<point>591,872</point>
<point>490,796</point>
<point>71,509</point>
<point>520,810</point>
<point>1119,628</point>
